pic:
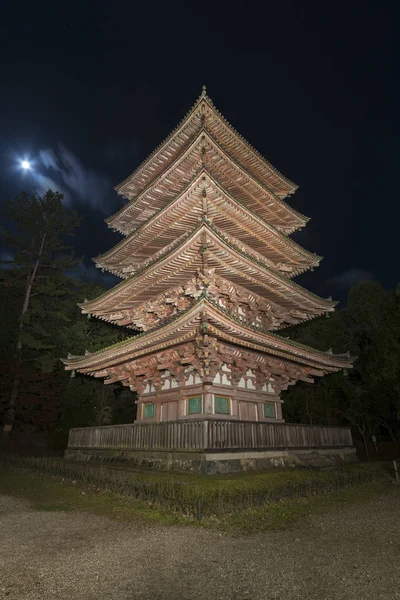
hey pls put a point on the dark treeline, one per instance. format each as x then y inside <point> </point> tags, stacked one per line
<point>366,397</point>
<point>41,323</point>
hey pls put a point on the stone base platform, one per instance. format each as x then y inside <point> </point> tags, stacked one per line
<point>213,462</point>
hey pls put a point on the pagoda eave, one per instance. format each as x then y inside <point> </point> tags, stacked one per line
<point>182,213</point>
<point>223,325</point>
<point>204,112</point>
<point>289,219</point>
<point>234,260</point>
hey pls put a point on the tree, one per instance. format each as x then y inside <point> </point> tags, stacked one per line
<point>374,319</point>
<point>87,401</point>
<point>367,397</point>
<point>38,276</point>
<point>39,395</point>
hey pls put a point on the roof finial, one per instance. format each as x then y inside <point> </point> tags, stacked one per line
<point>204,91</point>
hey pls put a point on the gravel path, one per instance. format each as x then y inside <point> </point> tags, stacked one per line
<point>343,554</point>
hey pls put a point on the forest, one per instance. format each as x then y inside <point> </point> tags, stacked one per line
<point>40,289</point>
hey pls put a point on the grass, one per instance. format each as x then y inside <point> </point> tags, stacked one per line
<point>52,493</point>
<point>243,502</point>
<point>289,513</point>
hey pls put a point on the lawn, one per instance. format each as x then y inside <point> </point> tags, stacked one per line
<point>241,502</point>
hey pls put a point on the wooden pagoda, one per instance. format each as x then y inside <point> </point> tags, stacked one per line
<point>207,269</point>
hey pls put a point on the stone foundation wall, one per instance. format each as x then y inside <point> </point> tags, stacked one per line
<point>217,462</point>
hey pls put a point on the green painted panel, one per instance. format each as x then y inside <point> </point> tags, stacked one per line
<point>194,405</point>
<point>221,405</point>
<point>269,409</point>
<point>148,411</point>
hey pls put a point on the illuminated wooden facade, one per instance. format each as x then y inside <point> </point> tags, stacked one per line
<point>207,270</point>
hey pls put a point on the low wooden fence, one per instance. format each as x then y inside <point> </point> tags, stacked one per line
<point>208,434</point>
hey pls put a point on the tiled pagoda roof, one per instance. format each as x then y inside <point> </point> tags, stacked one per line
<point>181,214</point>
<point>221,325</point>
<point>229,261</point>
<point>205,138</point>
<point>204,114</point>
<point>226,172</point>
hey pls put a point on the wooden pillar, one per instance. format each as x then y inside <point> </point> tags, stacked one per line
<point>207,399</point>
<point>279,410</point>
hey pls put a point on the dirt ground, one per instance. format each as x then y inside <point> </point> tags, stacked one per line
<point>343,554</point>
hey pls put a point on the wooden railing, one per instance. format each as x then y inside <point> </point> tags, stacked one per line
<point>207,435</point>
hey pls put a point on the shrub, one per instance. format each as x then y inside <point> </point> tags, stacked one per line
<point>216,495</point>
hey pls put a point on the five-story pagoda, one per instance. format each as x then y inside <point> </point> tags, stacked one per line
<point>207,268</point>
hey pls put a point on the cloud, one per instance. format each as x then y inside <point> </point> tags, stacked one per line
<point>350,277</point>
<point>66,173</point>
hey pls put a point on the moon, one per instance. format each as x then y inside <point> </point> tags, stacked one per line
<point>25,164</point>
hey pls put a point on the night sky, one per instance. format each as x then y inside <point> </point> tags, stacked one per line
<point>88,93</point>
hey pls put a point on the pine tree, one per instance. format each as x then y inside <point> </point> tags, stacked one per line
<point>38,276</point>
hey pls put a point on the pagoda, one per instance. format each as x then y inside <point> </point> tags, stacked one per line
<point>207,269</point>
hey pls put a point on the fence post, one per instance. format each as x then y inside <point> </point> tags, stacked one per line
<point>396,471</point>
<point>205,435</point>
<point>199,510</point>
